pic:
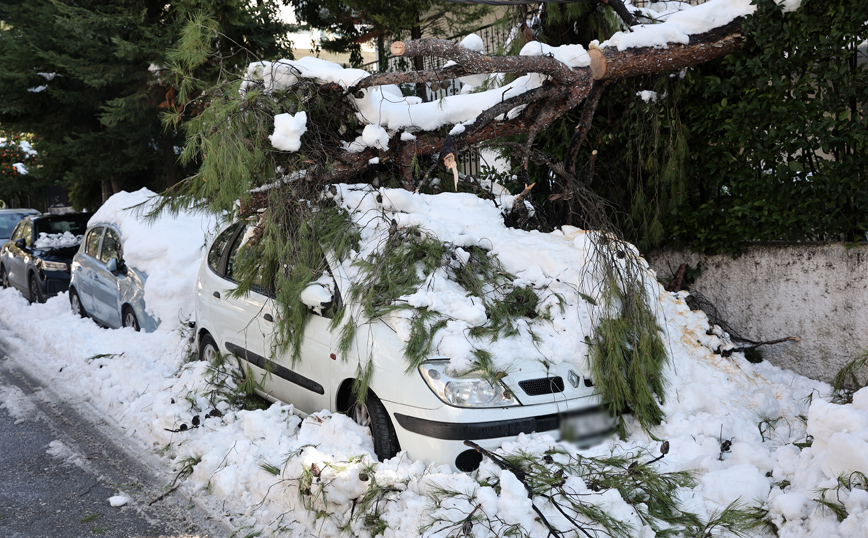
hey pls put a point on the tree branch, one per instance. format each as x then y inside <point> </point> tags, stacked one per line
<point>584,125</point>
<point>474,62</point>
<point>611,64</point>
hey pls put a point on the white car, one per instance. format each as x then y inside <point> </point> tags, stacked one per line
<point>425,412</point>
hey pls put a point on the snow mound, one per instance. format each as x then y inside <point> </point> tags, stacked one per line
<point>736,425</point>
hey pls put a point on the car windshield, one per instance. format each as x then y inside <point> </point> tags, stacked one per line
<point>8,222</point>
<point>57,225</point>
<point>60,231</point>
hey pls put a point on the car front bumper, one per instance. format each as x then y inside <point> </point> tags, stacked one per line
<point>425,435</point>
<point>53,282</point>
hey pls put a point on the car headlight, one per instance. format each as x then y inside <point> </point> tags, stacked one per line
<point>54,266</point>
<point>467,390</point>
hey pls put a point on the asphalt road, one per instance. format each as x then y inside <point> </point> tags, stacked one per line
<point>60,465</point>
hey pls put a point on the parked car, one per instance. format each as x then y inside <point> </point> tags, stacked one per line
<point>9,218</point>
<point>36,258</point>
<point>103,287</point>
<point>427,412</point>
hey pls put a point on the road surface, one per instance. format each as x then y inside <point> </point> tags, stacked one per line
<point>59,465</point>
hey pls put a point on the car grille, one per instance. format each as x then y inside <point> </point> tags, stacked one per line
<point>545,385</point>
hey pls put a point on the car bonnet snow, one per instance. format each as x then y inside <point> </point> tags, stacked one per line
<point>557,265</point>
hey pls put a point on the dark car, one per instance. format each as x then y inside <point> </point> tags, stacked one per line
<point>36,258</point>
<point>9,218</point>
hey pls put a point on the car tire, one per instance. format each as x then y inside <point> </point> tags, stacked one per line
<point>373,415</point>
<point>4,278</point>
<point>35,291</point>
<point>128,318</point>
<point>75,304</point>
<point>207,348</point>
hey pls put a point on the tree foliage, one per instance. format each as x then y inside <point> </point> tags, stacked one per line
<point>86,77</point>
<point>17,158</point>
<point>766,144</point>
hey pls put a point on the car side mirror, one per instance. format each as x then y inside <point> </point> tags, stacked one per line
<point>316,297</point>
<point>20,243</point>
<point>112,266</point>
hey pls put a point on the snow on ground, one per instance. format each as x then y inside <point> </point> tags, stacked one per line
<point>145,384</point>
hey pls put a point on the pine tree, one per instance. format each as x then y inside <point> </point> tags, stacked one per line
<point>87,79</point>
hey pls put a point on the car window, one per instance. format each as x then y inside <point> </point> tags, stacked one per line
<point>233,255</point>
<point>17,233</point>
<point>8,222</point>
<point>217,247</point>
<point>25,232</point>
<point>91,247</point>
<point>75,224</point>
<point>242,238</point>
<point>111,247</point>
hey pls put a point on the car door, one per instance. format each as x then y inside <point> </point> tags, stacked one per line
<point>84,268</point>
<point>242,325</point>
<point>320,354</point>
<point>245,326</point>
<point>106,306</point>
<point>16,258</point>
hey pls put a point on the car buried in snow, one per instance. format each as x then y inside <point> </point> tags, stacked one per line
<point>426,411</point>
<point>36,258</point>
<point>103,287</point>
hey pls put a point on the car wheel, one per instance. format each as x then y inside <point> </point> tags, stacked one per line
<point>372,414</point>
<point>75,304</point>
<point>207,348</point>
<point>4,278</point>
<point>35,291</point>
<point>129,318</point>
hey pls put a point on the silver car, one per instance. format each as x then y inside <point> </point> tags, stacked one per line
<point>9,218</point>
<point>103,287</point>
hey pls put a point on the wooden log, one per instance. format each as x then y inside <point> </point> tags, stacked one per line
<point>610,63</point>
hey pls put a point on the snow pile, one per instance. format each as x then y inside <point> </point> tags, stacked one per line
<point>59,240</point>
<point>735,424</point>
<point>288,129</point>
<point>168,251</point>
<point>553,264</point>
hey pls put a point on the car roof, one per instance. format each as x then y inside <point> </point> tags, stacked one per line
<point>65,216</point>
<point>19,210</point>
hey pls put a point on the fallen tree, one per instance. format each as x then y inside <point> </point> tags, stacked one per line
<point>553,82</point>
<point>278,139</point>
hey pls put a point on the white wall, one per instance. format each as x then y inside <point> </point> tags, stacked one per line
<point>818,292</point>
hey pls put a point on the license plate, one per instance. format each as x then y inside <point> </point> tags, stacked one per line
<point>578,426</point>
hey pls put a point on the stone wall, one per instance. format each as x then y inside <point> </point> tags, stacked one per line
<point>818,292</point>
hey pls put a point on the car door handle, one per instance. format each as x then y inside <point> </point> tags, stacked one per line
<point>216,294</point>
<point>267,317</point>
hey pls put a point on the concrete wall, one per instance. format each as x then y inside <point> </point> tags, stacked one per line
<point>818,292</point>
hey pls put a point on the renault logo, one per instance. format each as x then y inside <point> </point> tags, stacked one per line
<point>574,379</point>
